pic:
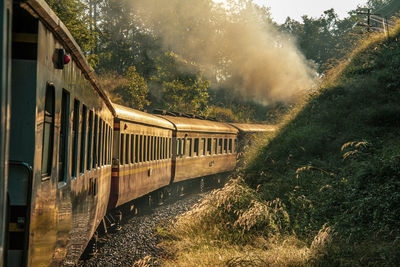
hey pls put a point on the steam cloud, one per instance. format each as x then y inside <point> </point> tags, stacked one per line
<point>234,47</point>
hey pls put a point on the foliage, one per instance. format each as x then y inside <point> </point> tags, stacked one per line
<point>130,90</point>
<point>72,14</point>
<point>186,97</point>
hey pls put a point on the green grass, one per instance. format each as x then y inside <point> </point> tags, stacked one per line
<point>323,191</point>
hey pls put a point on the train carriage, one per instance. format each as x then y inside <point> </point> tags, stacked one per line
<point>201,147</point>
<point>141,155</point>
<point>61,139</point>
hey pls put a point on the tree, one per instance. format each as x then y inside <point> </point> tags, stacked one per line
<point>72,14</point>
<point>133,90</point>
<point>191,97</point>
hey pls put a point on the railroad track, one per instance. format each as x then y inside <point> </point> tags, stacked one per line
<point>134,237</point>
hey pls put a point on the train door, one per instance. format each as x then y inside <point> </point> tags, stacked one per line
<point>22,133</point>
<point>5,42</point>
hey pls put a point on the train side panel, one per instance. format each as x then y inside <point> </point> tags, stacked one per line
<point>202,154</point>
<point>62,128</point>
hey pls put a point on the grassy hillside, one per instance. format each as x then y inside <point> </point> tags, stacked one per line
<point>325,190</point>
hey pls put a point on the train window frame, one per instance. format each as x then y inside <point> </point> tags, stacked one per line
<point>99,147</point>
<point>220,146</point>
<point>196,147</point>
<point>215,146</point>
<point>48,139</point>
<point>132,159</point>
<point>121,149</point>
<point>127,145</point>
<point>83,140</point>
<point>106,144</point>
<point>75,138</point>
<point>90,139</point>
<point>169,148</point>
<point>136,148</point>
<point>95,137</point>
<point>225,146</point>
<point>64,137</point>
<point>103,145</point>
<point>158,148</point>
<point>190,147</point>
<point>209,146</point>
<point>145,148</point>
<point>178,147</point>
<point>141,148</point>
<point>110,145</point>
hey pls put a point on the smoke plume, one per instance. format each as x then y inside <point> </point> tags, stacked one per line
<point>235,46</point>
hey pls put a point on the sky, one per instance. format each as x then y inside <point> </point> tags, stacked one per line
<point>281,9</point>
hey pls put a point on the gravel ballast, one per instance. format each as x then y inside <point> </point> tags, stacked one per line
<point>137,238</point>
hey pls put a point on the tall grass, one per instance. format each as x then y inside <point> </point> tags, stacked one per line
<point>323,190</point>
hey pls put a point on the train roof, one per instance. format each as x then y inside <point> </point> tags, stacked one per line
<point>196,125</point>
<point>133,115</point>
<point>40,10</point>
<point>253,128</point>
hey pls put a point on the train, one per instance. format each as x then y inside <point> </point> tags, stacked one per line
<point>69,156</point>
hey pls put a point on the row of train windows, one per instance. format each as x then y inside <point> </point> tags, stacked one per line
<point>95,138</point>
<point>143,148</point>
<point>221,145</point>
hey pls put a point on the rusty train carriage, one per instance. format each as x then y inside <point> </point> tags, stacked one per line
<point>61,131</point>
<point>202,147</point>
<point>141,155</point>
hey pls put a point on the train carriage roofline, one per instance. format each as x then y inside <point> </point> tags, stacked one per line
<point>40,10</point>
<point>253,128</point>
<point>140,117</point>
<point>184,124</point>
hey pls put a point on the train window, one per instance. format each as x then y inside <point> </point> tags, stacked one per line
<point>90,134</point>
<point>203,141</point>
<point>127,149</point>
<point>216,146</point>
<point>225,145</point>
<point>132,146</point>
<point>141,148</point>
<point>220,146</point>
<point>196,146</point>
<point>104,144</point>
<point>230,145</point>
<point>163,148</point>
<point>209,146</point>
<point>190,146</point>
<point>48,131</point>
<point>179,147</point>
<point>83,139</point>
<point>170,148</point>
<point>121,151</point>
<point>110,145</point>
<point>144,148</point>
<point>99,148</point>
<point>149,148</point>
<point>136,148</point>
<point>94,158</point>
<point>63,157</point>
<point>75,134</point>
<point>159,148</point>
